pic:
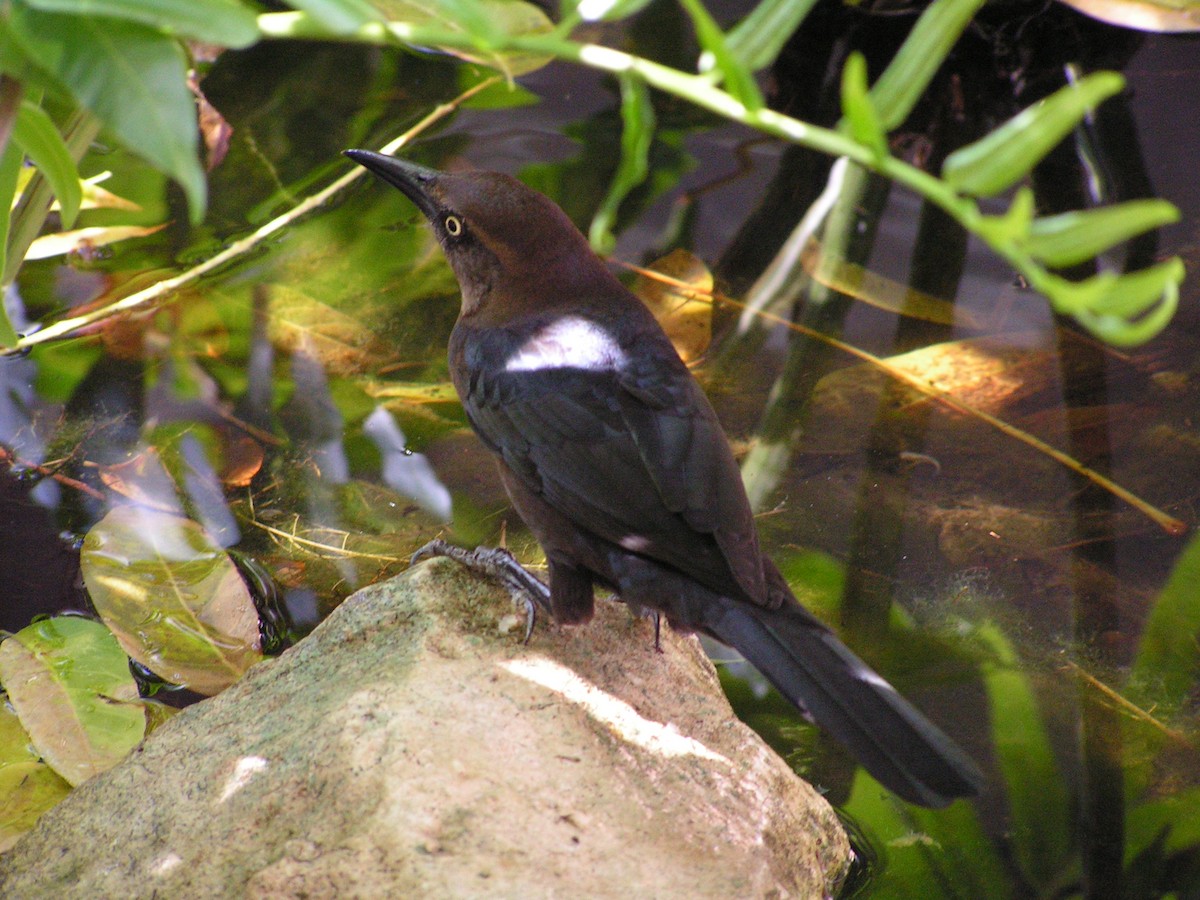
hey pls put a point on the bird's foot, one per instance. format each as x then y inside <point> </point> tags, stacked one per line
<point>499,565</point>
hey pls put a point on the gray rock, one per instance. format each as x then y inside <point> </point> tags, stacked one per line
<point>411,746</point>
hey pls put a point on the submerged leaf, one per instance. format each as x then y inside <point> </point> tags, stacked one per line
<point>682,302</point>
<point>172,597</point>
<point>69,682</point>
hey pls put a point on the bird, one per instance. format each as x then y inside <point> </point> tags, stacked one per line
<point>612,455</point>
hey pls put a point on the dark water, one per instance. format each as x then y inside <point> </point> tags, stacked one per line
<point>1003,593</point>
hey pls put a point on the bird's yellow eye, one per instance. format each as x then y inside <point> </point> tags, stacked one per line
<point>454,226</point>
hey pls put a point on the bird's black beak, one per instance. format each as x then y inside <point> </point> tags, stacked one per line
<point>413,180</point>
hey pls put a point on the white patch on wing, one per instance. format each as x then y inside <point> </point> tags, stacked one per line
<point>570,342</point>
<point>635,542</point>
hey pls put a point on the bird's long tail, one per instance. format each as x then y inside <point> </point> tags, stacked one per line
<point>806,662</point>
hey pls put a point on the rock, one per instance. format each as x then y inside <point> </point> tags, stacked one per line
<point>411,746</point>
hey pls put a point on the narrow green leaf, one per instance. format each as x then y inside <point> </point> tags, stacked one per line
<point>227,23</point>
<point>1014,225</point>
<point>131,77</point>
<point>739,80</point>
<point>1111,318</point>
<point>1076,237</point>
<point>69,682</point>
<point>919,57</point>
<point>637,133</point>
<point>35,133</point>
<point>1002,158</point>
<point>757,39</point>
<point>859,113</point>
<point>172,597</point>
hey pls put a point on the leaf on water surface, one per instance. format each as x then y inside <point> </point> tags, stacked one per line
<point>682,302</point>
<point>28,787</point>
<point>1143,15</point>
<point>173,598</point>
<point>69,682</point>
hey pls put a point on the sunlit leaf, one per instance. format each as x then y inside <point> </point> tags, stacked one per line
<point>227,23</point>
<point>859,114</point>
<point>483,20</point>
<point>683,303</point>
<point>69,682</point>
<point>132,77</point>
<point>1076,237</point>
<point>341,343</point>
<point>174,600</point>
<point>86,240</point>
<point>637,133</point>
<point>35,133</point>
<point>1144,15</point>
<point>758,38</point>
<point>998,161</point>
<point>907,76</point>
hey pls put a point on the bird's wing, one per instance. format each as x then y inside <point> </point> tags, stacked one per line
<point>636,457</point>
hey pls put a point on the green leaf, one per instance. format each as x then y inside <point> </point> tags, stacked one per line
<point>1130,295</point>
<point>1037,802</point>
<point>339,16</point>
<point>1013,226</point>
<point>757,39</point>
<point>10,170</point>
<point>637,118</point>
<point>1076,237</point>
<point>919,57</point>
<point>69,682</point>
<point>1002,158</point>
<point>859,113</point>
<point>1167,663</point>
<point>739,80</point>
<point>131,77</point>
<point>35,133</point>
<point>174,600</point>
<point>224,22</point>
<point>28,787</point>
<point>485,22</point>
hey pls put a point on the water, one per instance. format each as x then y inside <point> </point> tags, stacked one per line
<point>1005,595</point>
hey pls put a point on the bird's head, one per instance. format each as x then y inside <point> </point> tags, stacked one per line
<point>504,241</point>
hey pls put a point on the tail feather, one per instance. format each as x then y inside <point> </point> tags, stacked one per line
<point>806,662</point>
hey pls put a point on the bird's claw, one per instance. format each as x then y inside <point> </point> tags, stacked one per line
<point>499,565</point>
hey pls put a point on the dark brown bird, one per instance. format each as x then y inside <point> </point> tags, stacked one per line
<point>614,458</point>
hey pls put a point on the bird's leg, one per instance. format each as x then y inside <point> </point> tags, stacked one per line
<point>657,631</point>
<point>499,565</point>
